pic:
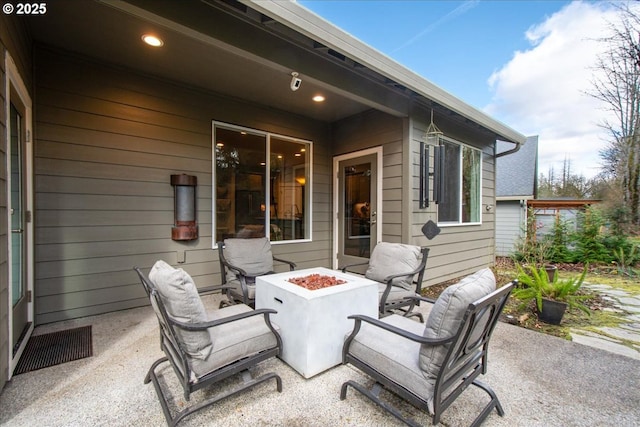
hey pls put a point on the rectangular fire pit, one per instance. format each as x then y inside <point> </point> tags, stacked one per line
<point>313,323</point>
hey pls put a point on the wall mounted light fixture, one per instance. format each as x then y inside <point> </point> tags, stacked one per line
<point>184,210</point>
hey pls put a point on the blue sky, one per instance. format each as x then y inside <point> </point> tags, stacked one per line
<point>526,63</point>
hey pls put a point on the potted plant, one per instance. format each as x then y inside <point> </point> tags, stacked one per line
<point>551,296</point>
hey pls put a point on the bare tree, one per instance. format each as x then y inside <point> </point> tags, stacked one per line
<point>568,185</point>
<point>618,85</point>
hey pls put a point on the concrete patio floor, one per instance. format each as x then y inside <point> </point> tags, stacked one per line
<point>541,381</point>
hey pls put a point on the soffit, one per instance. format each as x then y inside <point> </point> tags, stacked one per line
<point>196,58</point>
<point>230,48</point>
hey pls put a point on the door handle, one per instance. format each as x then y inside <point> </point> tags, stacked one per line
<point>17,230</point>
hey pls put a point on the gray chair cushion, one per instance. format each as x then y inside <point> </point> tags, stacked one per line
<point>235,340</point>
<point>447,313</point>
<point>182,302</point>
<point>394,356</point>
<point>393,258</point>
<point>254,256</point>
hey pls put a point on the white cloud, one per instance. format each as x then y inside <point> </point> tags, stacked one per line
<point>543,91</point>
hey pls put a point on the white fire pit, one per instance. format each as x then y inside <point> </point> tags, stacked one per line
<point>313,323</point>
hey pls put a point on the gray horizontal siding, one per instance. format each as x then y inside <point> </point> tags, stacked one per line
<point>106,142</point>
<point>374,129</point>
<point>457,250</point>
<point>509,226</point>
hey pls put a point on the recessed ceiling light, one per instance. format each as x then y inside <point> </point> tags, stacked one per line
<point>152,40</point>
<point>318,98</point>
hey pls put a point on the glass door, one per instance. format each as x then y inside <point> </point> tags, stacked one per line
<point>357,223</point>
<point>19,155</point>
<point>19,297</point>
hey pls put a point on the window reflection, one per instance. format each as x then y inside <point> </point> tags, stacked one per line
<point>357,202</point>
<point>255,197</point>
<point>461,199</point>
<point>240,190</point>
<point>288,179</point>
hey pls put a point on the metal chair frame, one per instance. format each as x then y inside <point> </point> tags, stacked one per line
<point>464,362</point>
<point>242,276</point>
<point>406,306</point>
<point>176,355</point>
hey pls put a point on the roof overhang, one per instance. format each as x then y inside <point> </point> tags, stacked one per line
<point>561,203</point>
<point>306,22</point>
<point>247,50</point>
<point>513,198</point>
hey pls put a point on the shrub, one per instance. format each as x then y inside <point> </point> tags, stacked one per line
<point>559,241</point>
<point>588,238</point>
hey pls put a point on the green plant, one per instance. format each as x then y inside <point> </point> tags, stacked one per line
<point>589,240</point>
<point>559,241</point>
<point>529,249</point>
<point>534,284</point>
<point>626,261</point>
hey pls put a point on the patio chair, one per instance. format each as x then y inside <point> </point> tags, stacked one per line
<point>395,266</point>
<point>205,348</point>
<point>430,366</point>
<point>241,261</point>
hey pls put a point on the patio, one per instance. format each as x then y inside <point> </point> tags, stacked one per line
<point>540,380</point>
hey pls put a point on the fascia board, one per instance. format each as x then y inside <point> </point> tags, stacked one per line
<point>304,21</point>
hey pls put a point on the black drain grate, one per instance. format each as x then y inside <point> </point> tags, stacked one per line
<point>55,348</point>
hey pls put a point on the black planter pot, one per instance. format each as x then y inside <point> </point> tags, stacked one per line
<point>551,270</point>
<point>552,311</point>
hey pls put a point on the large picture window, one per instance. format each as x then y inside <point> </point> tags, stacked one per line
<point>261,185</point>
<point>461,198</point>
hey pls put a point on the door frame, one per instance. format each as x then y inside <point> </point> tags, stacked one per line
<point>15,85</point>
<point>377,151</point>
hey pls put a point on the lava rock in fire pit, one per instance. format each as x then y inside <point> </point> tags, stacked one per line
<point>316,281</point>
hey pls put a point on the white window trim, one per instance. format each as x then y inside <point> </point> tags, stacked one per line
<point>268,136</point>
<point>459,223</point>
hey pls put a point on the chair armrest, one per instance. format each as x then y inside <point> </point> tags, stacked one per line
<point>213,323</point>
<point>344,268</point>
<point>233,268</point>
<point>394,329</point>
<point>292,265</point>
<point>388,279</point>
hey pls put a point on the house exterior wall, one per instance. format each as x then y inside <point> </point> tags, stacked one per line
<point>462,249</point>
<point>106,142</point>
<point>373,129</point>
<point>457,250</point>
<point>510,222</point>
